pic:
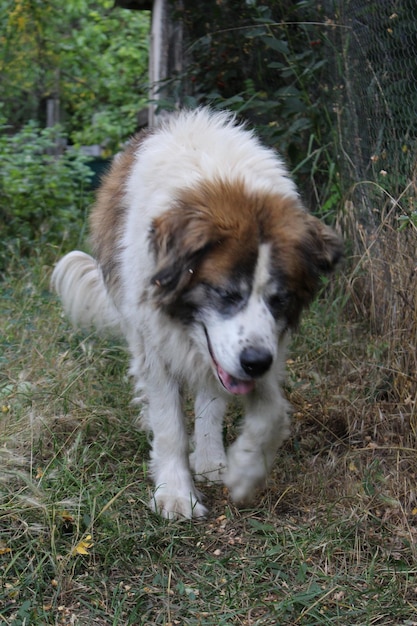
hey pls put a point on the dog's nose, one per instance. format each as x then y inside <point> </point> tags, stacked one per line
<point>255,361</point>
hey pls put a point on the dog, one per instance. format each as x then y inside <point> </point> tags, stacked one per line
<point>203,260</point>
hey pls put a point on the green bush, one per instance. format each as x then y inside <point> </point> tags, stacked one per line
<point>92,56</point>
<point>43,197</point>
<point>271,64</point>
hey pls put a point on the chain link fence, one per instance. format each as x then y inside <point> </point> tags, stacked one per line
<point>378,53</point>
<point>375,78</point>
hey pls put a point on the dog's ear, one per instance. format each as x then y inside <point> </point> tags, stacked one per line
<point>311,249</point>
<point>322,246</point>
<point>320,249</point>
<point>179,239</point>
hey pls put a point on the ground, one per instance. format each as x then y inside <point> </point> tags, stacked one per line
<point>331,540</point>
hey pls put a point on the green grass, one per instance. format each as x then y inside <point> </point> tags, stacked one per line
<point>330,541</point>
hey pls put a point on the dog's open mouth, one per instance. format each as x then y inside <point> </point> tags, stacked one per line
<point>233,385</point>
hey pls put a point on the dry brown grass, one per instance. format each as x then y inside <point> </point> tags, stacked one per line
<point>383,282</point>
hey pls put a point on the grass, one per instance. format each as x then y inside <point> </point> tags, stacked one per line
<point>330,541</point>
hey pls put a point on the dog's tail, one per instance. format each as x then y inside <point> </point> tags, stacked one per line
<point>78,281</point>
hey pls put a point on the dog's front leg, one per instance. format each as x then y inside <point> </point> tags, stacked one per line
<point>250,457</point>
<point>208,459</point>
<point>175,495</point>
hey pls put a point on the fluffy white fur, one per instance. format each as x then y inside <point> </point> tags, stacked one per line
<point>168,356</point>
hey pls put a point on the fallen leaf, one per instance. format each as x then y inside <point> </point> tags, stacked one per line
<point>82,546</point>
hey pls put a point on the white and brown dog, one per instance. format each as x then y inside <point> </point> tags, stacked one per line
<point>204,258</point>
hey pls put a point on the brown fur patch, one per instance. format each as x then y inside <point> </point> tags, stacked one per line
<point>214,231</point>
<point>107,217</point>
<point>203,234</point>
<point>303,249</point>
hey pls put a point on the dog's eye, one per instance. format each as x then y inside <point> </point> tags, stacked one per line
<point>228,300</point>
<point>277,302</point>
<point>229,296</point>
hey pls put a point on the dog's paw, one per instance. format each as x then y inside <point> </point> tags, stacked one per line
<point>209,470</point>
<point>244,476</point>
<point>171,505</point>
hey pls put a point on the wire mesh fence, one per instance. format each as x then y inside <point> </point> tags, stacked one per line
<point>375,68</point>
<point>377,45</point>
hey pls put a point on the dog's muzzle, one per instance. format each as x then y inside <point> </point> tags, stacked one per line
<point>255,361</point>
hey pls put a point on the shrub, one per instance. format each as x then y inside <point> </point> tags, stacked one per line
<point>43,197</point>
<point>271,64</point>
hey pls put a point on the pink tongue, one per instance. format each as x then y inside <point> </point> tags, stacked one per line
<point>233,385</point>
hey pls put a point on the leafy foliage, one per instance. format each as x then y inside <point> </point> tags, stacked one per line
<point>42,197</point>
<point>91,56</point>
<point>269,63</point>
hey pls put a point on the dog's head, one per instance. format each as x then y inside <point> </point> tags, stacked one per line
<point>241,267</point>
